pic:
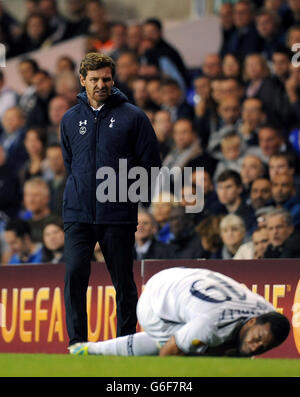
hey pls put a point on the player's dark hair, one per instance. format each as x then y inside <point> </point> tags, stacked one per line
<point>279,324</point>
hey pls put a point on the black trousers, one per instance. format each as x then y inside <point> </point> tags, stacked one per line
<point>117,245</point>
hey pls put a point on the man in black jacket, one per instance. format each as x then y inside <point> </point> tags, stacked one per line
<point>146,246</point>
<point>185,243</point>
<point>284,239</point>
<point>96,134</point>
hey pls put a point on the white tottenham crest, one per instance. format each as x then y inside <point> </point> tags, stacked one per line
<point>82,129</point>
<point>112,120</point>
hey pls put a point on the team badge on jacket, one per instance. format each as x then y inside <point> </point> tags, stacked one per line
<point>82,127</point>
<point>112,120</point>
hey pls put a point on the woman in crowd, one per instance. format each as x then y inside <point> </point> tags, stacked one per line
<point>53,240</point>
<point>232,231</point>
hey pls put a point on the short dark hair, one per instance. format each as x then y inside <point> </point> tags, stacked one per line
<point>32,62</point>
<point>279,324</point>
<point>95,61</point>
<point>19,226</point>
<point>154,21</point>
<point>230,174</point>
<point>165,81</point>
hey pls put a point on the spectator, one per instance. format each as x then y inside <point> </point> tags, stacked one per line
<point>127,67</point>
<point>146,245</point>
<point>261,85</point>
<point>9,31</point>
<point>281,61</point>
<point>8,97</point>
<point>284,240</point>
<point>229,190</point>
<point>170,60</point>
<point>232,231</point>
<point>161,206</point>
<point>58,24</point>
<point>212,66</point>
<point>22,249</point>
<point>10,189</point>
<point>118,35</point>
<point>260,193</point>
<point>53,242</point>
<point>281,8</point>
<point>293,36</point>
<point>153,88</point>
<point>255,248</point>
<point>163,128</point>
<point>36,202</point>
<point>134,36</point>
<point>35,35</point>
<point>228,112</point>
<point>65,64</point>
<point>58,105</point>
<point>295,8</point>
<point>98,39</point>
<point>252,168</point>
<point>204,108</point>
<point>253,116</point>
<point>36,165</point>
<point>27,69</point>
<point>209,233</point>
<point>261,215</point>
<point>268,27</point>
<point>140,94</point>
<point>232,150</point>
<point>232,87</point>
<point>172,99</point>
<point>292,87</point>
<point>58,182</point>
<point>270,141</point>
<point>31,7</point>
<point>245,39</point>
<point>212,205</point>
<point>187,150</point>
<point>227,26</point>
<point>184,240</point>
<point>284,195</point>
<point>44,86</point>
<point>12,137</point>
<point>281,163</point>
<point>231,66</point>
<point>77,22</point>
<point>67,85</point>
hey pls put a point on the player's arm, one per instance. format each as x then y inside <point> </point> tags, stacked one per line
<point>170,348</point>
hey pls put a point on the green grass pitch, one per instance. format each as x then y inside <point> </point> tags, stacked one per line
<point>60,365</point>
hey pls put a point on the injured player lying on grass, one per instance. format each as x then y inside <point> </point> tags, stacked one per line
<point>187,311</point>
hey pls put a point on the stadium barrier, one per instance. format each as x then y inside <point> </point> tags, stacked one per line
<point>32,315</point>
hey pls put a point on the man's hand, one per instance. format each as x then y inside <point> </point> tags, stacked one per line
<point>170,348</point>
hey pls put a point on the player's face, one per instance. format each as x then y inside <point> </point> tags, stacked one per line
<point>256,340</point>
<point>98,85</point>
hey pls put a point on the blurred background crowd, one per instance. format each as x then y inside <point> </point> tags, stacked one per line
<point>237,115</point>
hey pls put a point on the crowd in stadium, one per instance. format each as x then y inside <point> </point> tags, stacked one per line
<point>237,115</point>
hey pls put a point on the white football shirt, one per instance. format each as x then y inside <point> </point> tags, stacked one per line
<point>196,305</point>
